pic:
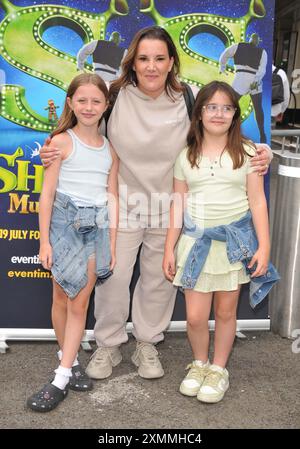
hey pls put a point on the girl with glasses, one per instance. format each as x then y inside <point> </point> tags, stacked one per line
<point>215,186</point>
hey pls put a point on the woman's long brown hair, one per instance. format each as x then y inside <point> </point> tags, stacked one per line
<point>235,141</point>
<point>67,119</point>
<point>128,74</point>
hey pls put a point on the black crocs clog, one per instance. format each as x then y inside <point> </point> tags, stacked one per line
<point>80,381</point>
<point>47,398</point>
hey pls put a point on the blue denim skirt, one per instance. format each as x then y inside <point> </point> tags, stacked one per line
<point>76,233</point>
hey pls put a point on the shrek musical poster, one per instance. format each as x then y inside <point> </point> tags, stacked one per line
<point>42,47</point>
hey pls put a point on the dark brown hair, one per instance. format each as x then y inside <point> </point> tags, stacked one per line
<point>67,119</point>
<point>235,139</point>
<point>128,74</point>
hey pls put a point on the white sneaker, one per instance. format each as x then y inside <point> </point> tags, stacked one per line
<point>194,378</point>
<point>215,384</point>
<point>145,357</point>
<point>102,362</point>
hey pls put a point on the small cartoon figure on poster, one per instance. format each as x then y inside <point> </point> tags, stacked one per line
<point>51,108</point>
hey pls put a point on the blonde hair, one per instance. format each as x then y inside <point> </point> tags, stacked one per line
<point>67,119</point>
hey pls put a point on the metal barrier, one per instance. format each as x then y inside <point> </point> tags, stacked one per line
<point>284,299</point>
<point>284,133</point>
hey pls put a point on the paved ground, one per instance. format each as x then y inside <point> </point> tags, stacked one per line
<point>264,391</point>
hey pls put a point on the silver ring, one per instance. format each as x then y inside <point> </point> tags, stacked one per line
<point>42,161</point>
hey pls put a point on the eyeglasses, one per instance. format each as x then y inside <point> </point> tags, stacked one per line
<point>226,109</point>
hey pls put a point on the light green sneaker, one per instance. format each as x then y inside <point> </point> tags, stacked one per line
<point>215,385</point>
<point>194,378</point>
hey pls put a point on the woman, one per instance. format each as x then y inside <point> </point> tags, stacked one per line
<point>147,127</point>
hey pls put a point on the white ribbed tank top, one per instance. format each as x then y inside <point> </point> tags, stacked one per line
<point>83,175</point>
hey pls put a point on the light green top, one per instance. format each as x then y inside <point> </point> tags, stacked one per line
<point>216,193</point>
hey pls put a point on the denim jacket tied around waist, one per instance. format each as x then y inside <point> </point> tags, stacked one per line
<point>241,243</point>
<point>71,228</point>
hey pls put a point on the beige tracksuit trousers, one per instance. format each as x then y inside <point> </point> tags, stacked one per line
<point>147,135</point>
<point>154,296</point>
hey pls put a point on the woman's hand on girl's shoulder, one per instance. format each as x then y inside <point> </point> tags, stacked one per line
<point>262,159</point>
<point>49,152</point>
